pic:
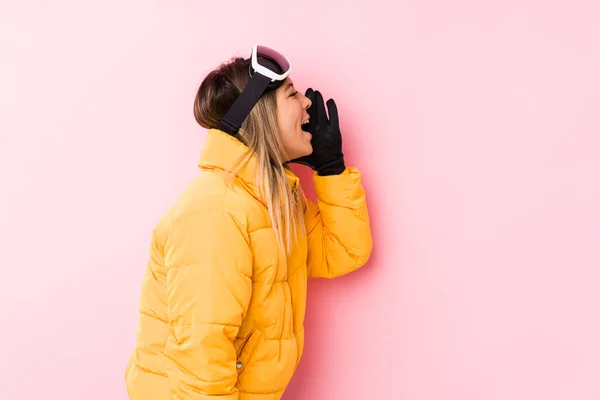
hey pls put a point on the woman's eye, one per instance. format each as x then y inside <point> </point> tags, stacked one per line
<point>294,94</point>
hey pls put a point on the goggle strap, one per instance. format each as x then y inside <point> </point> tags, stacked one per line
<point>241,107</point>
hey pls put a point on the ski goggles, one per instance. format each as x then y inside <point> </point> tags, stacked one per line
<point>268,70</point>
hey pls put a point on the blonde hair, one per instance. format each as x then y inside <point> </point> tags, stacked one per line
<point>260,133</point>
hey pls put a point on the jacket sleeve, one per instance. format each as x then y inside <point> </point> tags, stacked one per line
<point>209,284</point>
<point>339,234</point>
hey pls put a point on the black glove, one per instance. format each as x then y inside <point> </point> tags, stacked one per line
<point>327,157</point>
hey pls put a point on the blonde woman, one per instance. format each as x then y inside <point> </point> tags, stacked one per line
<point>223,298</point>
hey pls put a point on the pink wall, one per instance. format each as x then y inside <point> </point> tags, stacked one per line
<point>476,128</point>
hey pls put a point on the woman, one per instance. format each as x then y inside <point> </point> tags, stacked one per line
<point>223,298</point>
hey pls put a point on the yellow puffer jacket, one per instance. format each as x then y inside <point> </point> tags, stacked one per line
<point>221,312</point>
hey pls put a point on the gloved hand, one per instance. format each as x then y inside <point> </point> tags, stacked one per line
<point>327,157</point>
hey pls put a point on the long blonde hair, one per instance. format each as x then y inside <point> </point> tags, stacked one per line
<point>260,133</point>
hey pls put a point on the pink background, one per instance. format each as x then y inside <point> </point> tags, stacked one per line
<point>477,128</point>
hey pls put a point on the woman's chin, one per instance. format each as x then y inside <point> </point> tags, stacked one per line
<point>300,152</point>
<point>308,149</point>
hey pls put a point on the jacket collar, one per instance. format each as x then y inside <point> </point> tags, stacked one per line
<point>222,150</point>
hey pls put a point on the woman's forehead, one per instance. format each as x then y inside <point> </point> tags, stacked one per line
<point>287,85</point>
